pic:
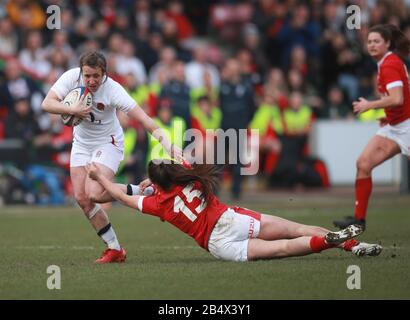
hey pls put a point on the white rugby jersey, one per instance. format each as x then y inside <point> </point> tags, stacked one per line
<point>103,125</point>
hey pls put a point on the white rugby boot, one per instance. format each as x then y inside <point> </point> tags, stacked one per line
<point>337,237</point>
<point>367,249</point>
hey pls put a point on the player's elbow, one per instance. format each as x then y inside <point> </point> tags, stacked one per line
<point>45,105</point>
<point>398,101</point>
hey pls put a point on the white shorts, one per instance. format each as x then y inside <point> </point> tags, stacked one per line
<point>106,154</point>
<point>399,133</point>
<point>230,236</point>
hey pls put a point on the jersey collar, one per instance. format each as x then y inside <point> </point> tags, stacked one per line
<point>384,57</point>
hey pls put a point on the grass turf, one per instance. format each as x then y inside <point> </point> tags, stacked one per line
<point>164,263</point>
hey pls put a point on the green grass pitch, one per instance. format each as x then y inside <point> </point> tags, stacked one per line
<point>164,263</point>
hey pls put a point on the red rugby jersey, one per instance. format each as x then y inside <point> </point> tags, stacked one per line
<point>392,72</point>
<point>183,207</point>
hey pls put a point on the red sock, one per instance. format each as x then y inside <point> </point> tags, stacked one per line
<point>318,244</point>
<point>363,191</point>
<point>349,244</point>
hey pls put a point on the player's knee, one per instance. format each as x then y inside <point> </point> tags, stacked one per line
<point>83,201</point>
<point>94,196</point>
<point>320,231</point>
<point>363,164</point>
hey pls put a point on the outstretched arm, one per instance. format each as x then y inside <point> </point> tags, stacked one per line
<point>115,190</point>
<point>159,134</point>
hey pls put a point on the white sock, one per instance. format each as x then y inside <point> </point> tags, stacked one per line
<point>133,190</point>
<point>110,238</point>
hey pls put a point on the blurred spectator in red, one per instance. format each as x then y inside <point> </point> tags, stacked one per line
<point>107,11</point>
<point>175,11</point>
<point>269,16</point>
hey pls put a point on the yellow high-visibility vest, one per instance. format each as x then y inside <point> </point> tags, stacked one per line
<point>265,115</point>
<point>297,121</point>
<point>175,132</point>
<point>212,122</point>
<point>372,115</point>
<point>130,138</point>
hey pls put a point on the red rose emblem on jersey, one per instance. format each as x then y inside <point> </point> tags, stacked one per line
<point>100,106</point>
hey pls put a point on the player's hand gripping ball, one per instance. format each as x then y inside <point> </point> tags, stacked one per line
<point>71,99</point>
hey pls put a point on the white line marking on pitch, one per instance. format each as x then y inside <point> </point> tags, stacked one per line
<point>47,247</point>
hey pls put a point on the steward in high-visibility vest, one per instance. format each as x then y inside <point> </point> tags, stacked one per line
<point>146,96</point>
<point>268,120</point>
<point>204,115</point>
<point>372,115</point>
<point>297,118</point>
<point>130,139</point>
<point>198,93</point>
<point>267,115</point>
<point>173,126</point>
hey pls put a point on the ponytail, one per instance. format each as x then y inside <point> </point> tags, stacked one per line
<point>167,174</point>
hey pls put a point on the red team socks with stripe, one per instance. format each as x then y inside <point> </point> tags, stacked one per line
<point>349,244</point>
<point>318,244</point>
<point>363,192</point>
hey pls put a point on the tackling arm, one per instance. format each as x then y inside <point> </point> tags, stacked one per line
<point>117,191</point>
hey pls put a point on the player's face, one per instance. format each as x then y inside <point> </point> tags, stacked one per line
<point>377,46</point>
<point>93,77</point>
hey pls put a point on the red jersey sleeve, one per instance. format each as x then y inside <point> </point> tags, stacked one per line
<point>392,74</point>
<point>149,205</point>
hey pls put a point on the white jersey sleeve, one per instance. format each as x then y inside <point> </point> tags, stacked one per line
<point>120,99</point>
<point>67,82</point>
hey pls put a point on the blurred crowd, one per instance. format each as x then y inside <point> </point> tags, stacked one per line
<point>272,65</point>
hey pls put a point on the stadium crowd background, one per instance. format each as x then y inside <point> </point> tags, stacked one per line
<point>272,65</point>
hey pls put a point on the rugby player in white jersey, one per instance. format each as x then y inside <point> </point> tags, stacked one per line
<point>99,138</point>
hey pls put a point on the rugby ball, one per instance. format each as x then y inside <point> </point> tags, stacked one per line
<point>72,97</point>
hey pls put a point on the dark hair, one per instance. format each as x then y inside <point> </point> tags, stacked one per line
<point>167,173</point>
<point>203,98</point>
<point>93,59</point>
<point>399,43</point>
